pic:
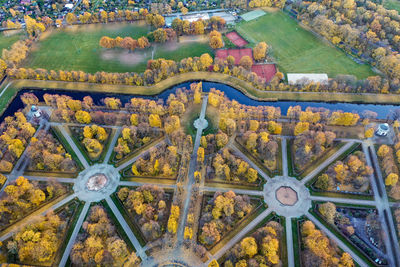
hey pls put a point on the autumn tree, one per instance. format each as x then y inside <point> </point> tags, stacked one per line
<point>328,211</point>
<point>71,18</point>
<point>246,62</point>
<point>83,117</point>
<point>106,42</point>
<point>260,51</point>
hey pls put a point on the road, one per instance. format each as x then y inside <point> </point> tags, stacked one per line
<point>192,169</point>
<point>382,205</point>
<point>344,200</point>
<point>139,249</point>
<point>112,145</point>
<point>326,163</point>
<point>74,234</point>
<point>289,242</point>
<point>237,191</point>
<point>284,157</point>
<point>73,146</point>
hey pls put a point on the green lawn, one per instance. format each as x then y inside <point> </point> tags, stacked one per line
<point>297,50</point>
<point>79,49</point>
<point>392,4</point>
<point>6,40</point>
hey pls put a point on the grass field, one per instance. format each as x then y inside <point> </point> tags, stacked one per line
<point>392,4</point>
<point>78,49</point>
<point>297,50</point>
<point>6,40</point>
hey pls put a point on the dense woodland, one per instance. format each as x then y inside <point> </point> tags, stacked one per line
<point>390,169</point>
<point>308,146</point>
<point>16,134</point>
<point>159,161</point>
<point>220,214</point>
<point>352,174</point>
<point>228,167</point>
<point>263,146</point>
<point>48,154</point>
<point>93,138</point>
<point>319,250</point>
<point>21,197</point>
<point>99,243</point>
<point>38,241</point>
<point>148,207</point>
<point>367,220</point>
<point>262,248</point>
<point>362,28</point>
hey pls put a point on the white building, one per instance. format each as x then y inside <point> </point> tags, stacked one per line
<point>382,129</point>
<point>303,78</point>
<point>195,17</point>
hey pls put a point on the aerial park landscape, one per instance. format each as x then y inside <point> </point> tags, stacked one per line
<point>199,133</point>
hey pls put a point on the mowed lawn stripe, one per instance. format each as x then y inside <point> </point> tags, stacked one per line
<point>78,49</point>
<point>297,50</point>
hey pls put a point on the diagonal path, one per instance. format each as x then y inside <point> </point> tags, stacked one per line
<point>78,153</point>
<point>289,242</point>
<point>344,200</point>
<point>74,234</point>
<point>252,164</point>
<point>132,160</point>
<point>240,235</point>
<point>326,163</point>
<point>382,205</point>
<point>337,240</point>
<point>139,249</point>
<point>7,233</point>
<point>284,157</point>
<point>112,145</point>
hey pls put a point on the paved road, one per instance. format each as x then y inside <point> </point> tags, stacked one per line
<point>112,145</point>
<point>344,200</point>
<point>237,191</point>
<point>132,160</point>
<point>382,205</point>
<point>252,164</point>
<point>192,169</point>
<point>73,146</point>
<point>326,162</point>
<point>240,235</point>
<point>284,157</point>
<point>74,234</point>
<point>336,240</point>
<point>139,249</point>
<point>289,242</point>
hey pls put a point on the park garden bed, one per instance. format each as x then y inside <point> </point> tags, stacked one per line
<point>355,169</point>
<point>49,157</point>
<point>301,172</point>
<point>265,229</point>
<point>93,149</point>
<point>68,215</point>
<point>253,206</point>
<point>100,217</point>
<point>135,149</point>
<point>26,202</point>
<point>136,221</point>
<point>269,169</point>
<point>239,174</point>
<point>161,163</point>
<point>348,226</point>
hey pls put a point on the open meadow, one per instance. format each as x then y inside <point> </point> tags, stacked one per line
<point>7,38</point>
<point>78,48</point>
<point>297,50</point>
